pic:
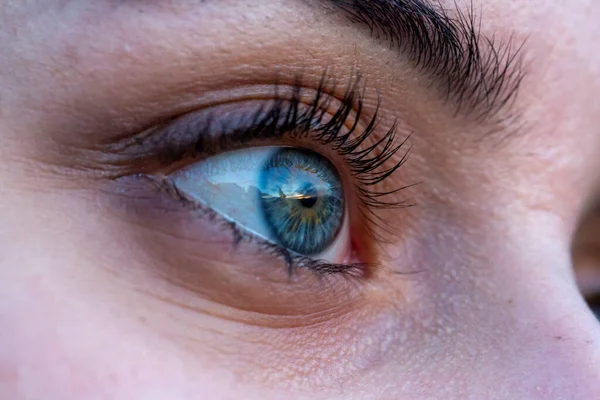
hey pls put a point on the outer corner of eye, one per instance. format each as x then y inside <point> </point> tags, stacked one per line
<point>292,197</point>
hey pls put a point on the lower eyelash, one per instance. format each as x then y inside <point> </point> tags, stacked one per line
<point>293,262</point>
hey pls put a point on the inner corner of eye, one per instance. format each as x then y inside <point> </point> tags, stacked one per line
<point>289,196</point>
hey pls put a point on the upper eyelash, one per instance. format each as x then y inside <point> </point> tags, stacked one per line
<point>367,165</point>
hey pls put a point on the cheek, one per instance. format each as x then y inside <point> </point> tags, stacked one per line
<point>61,348</point>
<point>65,344</point>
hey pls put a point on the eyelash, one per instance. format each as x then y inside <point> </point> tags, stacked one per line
<point>286,118</point>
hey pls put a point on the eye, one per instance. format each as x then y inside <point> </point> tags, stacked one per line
<point>292,197</point>
<point>299,180</point>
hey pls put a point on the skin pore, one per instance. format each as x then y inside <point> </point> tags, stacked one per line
<point>114,288</point>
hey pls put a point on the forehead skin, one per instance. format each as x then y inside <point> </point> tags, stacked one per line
<point>517,201</point>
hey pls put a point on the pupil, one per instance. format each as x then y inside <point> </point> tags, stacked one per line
<point>308,202</point>
<point>309,198</point>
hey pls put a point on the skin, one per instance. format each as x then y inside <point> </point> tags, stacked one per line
<point>110,289</point>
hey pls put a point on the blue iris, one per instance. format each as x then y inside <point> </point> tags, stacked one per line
<point>302,200</point>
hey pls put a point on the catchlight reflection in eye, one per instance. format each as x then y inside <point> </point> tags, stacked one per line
<point>290,196</point>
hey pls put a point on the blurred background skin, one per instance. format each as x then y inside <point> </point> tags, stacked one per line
<point>497,314</point>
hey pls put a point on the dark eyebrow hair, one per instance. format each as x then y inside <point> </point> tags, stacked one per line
<point>478,74</point>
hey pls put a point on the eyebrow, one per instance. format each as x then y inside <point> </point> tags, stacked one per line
<point>477,74</point>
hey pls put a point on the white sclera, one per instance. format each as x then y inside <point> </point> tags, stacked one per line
<point>228,184</point>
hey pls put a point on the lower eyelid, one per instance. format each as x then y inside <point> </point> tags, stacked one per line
<point>191,253</point>
<point>290,261</point>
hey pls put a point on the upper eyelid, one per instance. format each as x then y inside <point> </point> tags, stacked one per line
<point>235,114</point>
<point>187,85</point>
